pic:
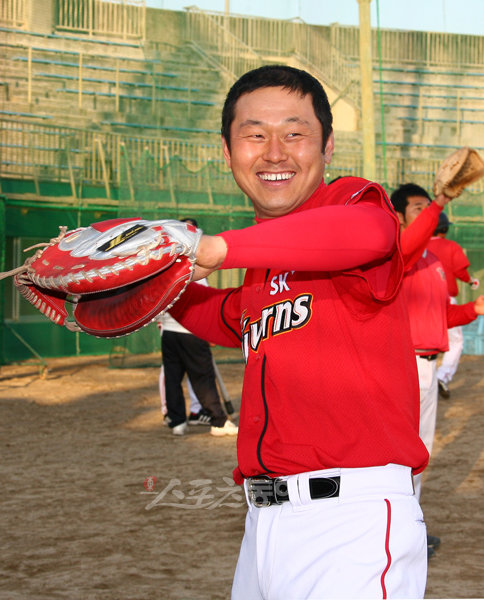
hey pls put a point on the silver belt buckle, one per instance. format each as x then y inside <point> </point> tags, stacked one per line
<point>264,491</point>
<point>261,491</point>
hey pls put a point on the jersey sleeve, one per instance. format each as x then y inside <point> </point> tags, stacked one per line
<point>210,313</point>
<point>460,314</point>
<point>463,275</point>
<point>460,263</point>
<point>352,231</point>
<point>415,237</point>
<point>329,238</point>
<point>379,280</point>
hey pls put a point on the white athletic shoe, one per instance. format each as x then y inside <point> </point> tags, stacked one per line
<point>228,429</point>
<point>179,429</point>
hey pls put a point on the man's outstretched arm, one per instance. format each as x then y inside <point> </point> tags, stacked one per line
<point>332,238</point>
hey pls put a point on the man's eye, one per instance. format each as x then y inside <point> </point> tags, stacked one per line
<point>293,134</point>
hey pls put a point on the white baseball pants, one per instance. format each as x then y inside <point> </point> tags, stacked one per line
<point>451,358</point>
<point>370,542</point>
<point>429,396</point>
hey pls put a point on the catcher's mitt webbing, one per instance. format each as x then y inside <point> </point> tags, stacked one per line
<point>118,274</point>
<point>459,170</point>
<point>129,308</point>
<point>50,303</point>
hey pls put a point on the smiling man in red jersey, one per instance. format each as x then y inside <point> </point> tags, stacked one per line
<point>328,429</point>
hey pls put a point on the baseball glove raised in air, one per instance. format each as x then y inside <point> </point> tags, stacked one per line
<point>459,170</point>
<point>118,275</point>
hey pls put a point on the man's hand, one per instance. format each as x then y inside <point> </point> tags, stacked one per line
<point>211,253</point>
<point>442,200</point>
<point>479,305</point>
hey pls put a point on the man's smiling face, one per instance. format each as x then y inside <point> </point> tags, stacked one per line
<point>276,149</point>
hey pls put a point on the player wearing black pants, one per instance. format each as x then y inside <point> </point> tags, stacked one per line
<point>184,353</point>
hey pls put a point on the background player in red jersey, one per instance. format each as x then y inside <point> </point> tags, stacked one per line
<point>331,507</point>
<point>455,263</point>
<point>426,295</point>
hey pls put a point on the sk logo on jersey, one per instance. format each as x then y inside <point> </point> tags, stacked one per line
<point>279,284</point>
<point>276,319</point>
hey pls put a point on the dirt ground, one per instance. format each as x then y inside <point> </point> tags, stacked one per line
<point>100,501</point>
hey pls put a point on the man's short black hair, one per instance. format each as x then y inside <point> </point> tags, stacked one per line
<point>400,196</point>
<point>295,80</point>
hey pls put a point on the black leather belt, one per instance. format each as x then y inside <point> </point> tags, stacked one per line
<point>428,356</point>
<point>264,491</point>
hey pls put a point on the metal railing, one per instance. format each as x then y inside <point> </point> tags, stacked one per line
<point>210,31</point>
<point>419,47</point>
<point>241,43</point>
<point>42,151</point>
<point>121,18</point>
<point>54,153</point>
<point>13,13</point>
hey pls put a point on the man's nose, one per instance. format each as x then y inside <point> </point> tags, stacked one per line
<point>275,150</point>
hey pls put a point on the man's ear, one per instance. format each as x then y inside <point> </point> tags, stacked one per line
<point>401,218</point>
<point>226,152</point>
<point>328,151</point>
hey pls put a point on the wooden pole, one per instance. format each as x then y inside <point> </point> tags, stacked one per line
<point>29,75</point>
<point>367,104</point>
<point>117,86</point>
<point>80,80</point>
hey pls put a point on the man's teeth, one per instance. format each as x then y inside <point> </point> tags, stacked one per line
<point>275,176</point>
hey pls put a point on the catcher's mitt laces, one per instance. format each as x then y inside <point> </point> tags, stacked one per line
<point>52,242</point>
<point>23,268</point>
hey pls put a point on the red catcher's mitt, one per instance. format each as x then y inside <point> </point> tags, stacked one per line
<point>119,275</point>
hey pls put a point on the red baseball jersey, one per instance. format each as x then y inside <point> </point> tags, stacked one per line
<point>330,378</point>
<point>453,259</point>
<point>426,297</point>
<point>425,288</point>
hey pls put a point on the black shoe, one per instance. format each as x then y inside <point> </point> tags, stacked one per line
<point>430,552</point>
<point>433,541</point>
<point>443,389</point>
<point>200,418</point>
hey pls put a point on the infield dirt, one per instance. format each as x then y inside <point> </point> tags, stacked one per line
<point>100,501</point>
